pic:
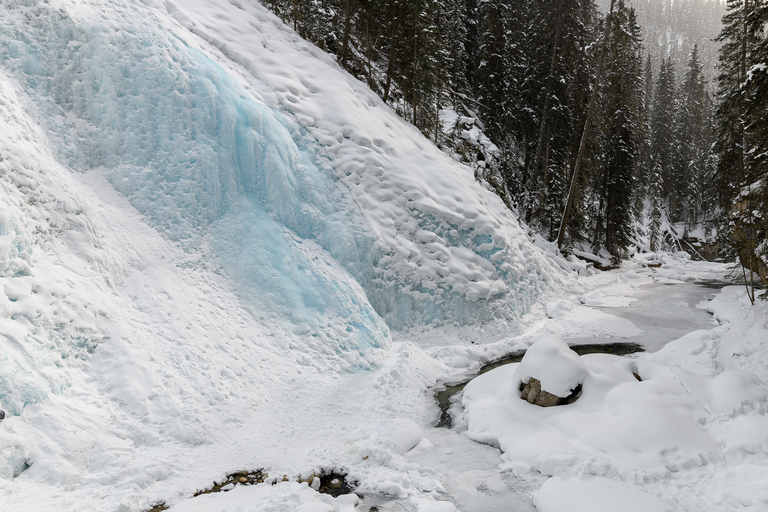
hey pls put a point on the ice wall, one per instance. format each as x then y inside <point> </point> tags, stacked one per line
<point>328,228</point>
<point>209,166</point>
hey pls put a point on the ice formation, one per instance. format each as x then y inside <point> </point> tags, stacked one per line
<point>212,166</point>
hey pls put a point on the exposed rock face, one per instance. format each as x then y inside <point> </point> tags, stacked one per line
<point>533,394</point>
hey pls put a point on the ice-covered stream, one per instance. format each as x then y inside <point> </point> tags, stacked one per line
<point>664,310</point>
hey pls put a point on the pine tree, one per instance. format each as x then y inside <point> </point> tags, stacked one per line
<point>494,78</point>
<point>731,112</point>
<point>741,173</point>
<point>692,138</point>
<point>562,29</point>
<point>452,22</point>
<point>644,151</point>
<point>655,210</point>
<point>664,147</point>
<point>622,134</point>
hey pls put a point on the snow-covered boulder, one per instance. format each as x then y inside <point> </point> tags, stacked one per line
<point>550,373</point>
<point>401,435</point>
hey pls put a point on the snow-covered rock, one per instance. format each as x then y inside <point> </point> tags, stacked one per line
<point>671,420</point>
<point>401,435</point>
<point>551,362</point>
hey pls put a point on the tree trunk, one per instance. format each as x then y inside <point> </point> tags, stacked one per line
<point>390,60</point>
<point>347,29</point>
<point>414,69</point>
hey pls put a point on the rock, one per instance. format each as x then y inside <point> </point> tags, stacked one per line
<point>533,394</point>
<point>2,415</point>
<point>243,480</point>
<point>550,373</point>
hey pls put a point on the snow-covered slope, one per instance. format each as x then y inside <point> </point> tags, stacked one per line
<point>207,229</point>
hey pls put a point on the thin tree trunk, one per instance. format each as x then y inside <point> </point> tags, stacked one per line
<point>391,60</point>
<point>368,53</point>
<point>585,132</point>
<point>347,29</point>
<point>413,72</point>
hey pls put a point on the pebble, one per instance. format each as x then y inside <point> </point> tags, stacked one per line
<point>2,415</point>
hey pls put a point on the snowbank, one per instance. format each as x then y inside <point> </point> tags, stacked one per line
<point>598,495</point>
<point>619,423</point>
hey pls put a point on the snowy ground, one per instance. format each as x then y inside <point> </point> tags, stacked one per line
<point>220,253</point>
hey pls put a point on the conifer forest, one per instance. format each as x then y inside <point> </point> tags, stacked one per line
<point>610,125</point>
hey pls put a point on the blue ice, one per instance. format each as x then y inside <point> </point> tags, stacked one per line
<point>209,166</point>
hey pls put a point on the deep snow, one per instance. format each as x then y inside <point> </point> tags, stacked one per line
<point>220,252</point>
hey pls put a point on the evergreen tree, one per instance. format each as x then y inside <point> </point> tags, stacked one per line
<point>741,174</point>
<point>736,39</point>
<point>495,83</point>
<point>692,138</point>
<point>565,28</point>
<point>664,146</point>
<point>655,210</point>
<point>622,133</point>
<point>645,170</point>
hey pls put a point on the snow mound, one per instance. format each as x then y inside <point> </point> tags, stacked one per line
<point>557,495</point>
<point>671,421</point>
<point>401,434</point>
<point>552,362</point>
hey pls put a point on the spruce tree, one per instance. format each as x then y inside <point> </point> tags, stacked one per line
<point>622,134</point>
<point>692,138</point>
<point>740,177</point>
<point>664,146</point>
<point>655,209</point>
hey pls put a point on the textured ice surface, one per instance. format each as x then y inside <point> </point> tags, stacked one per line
<point>211,166</point>
<point>445,251</point>
<point>207,164</point>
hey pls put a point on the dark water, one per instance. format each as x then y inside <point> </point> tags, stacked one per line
<point>445,393</point>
